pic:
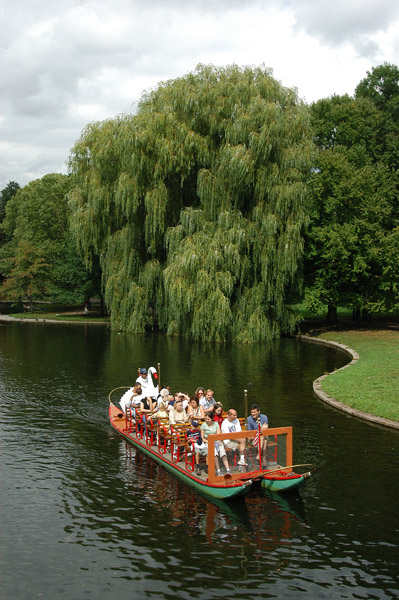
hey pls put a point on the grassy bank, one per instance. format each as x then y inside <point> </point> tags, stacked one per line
<point>72,316</point>
<point>372,384</point>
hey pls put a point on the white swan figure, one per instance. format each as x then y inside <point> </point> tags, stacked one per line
<point>152,373</point>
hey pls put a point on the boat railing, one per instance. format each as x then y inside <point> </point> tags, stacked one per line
<point>263,451</point>
<point>122,387</point>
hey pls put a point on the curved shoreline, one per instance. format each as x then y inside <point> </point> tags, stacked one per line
<point>8,318</point>
<point>322,395</point>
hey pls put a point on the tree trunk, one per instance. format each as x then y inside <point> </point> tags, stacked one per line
<point>332,316</point>
<point>102,306</point>
<point>366,315</point>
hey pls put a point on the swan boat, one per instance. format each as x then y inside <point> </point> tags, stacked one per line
<point>169,447</point>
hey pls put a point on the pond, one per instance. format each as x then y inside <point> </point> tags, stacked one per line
<point>83,515</point>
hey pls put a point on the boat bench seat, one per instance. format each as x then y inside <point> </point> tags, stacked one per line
<point>164,436</point>
<point>178,441</point>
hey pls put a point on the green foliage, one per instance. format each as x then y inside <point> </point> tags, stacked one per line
<point>5,195</point>
<point>381,87</point>
<point>195,206</point>
<point>28,275</point>
<point>40,260</point>
<point>351,243</point>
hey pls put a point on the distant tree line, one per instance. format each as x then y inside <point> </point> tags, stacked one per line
<point>352,242</point>
<point>217,207</point>
<point>38,257</point>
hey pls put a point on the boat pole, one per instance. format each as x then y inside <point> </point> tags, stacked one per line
<point>245,404</point>
<point>159,375</point>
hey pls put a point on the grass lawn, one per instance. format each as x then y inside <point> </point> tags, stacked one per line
<point>372,384</point>
<point>71,316</point>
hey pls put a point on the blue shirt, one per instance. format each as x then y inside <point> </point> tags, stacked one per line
<point>195,436</point>
<point>252,424</point>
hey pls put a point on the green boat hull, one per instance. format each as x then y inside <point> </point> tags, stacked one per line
<point>283,484</point>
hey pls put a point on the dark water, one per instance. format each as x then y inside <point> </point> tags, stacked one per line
<point>84,516</point>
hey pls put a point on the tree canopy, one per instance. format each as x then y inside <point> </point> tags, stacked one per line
<point>5,195</point>
<point>40,260</point>
<point>195,205</point>
<point>353,240</point>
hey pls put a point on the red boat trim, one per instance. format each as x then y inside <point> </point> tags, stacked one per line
<point>282,477</point>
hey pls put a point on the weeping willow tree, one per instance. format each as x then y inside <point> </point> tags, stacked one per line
<point>195,205</point>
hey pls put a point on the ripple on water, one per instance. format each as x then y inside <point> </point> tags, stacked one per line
<point>83,514</point>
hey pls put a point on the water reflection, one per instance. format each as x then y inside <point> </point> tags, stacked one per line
<point>83,514</point>
<point>258,513</point>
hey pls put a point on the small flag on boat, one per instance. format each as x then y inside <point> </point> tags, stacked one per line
<point>255,441</point>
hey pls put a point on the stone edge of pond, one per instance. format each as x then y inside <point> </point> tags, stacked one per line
<point>322,395</point>
<point>60,322</point>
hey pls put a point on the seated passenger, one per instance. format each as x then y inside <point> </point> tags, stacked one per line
<point>256,420</point>
<point>219,418</point>
<point>199,393</point>
<point>179,396</point>
<point>161,413</point>
<point>177,414</point>
<point>194,435</point>
<point>194,410</point>
<point>210,427</point>
<point>184,398</point>
<point>230,425</point>
<point>131,399</point>
<point>147,405</point>
<point>170,400</point>
<point>162,396</point>
<point>208,401</point>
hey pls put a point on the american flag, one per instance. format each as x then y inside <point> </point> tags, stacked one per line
<point>255,441</point>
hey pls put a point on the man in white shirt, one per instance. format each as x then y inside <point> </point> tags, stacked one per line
<point>131,399</point>
<point>148,389</point>
<point>231,425</point>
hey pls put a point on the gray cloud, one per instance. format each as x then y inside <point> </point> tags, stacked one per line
<point>66,64</point>
<point>346,21</point>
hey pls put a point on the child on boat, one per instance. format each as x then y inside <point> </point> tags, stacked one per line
<point>161,413</point>
<point>195,441</point>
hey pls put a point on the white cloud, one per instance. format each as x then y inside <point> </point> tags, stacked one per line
<point>65,64</point>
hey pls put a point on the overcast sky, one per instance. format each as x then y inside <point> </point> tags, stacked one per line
<point>66,63</point>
